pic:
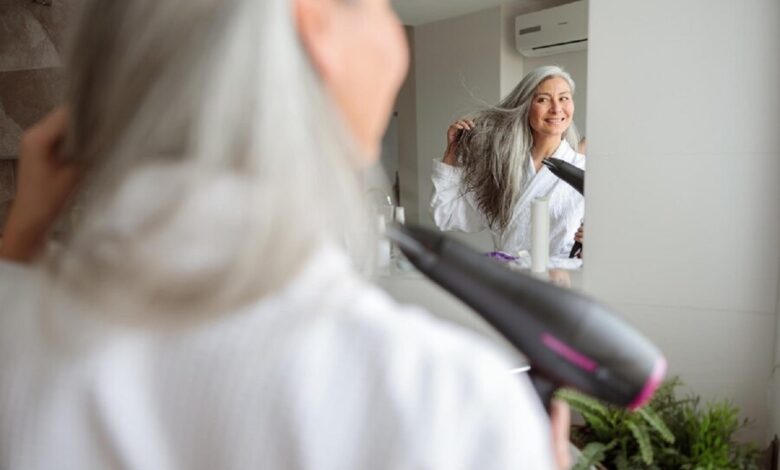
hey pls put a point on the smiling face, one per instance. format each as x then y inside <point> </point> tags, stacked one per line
<point>552,108</point>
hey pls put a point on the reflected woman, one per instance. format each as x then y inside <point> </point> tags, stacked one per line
<point>492,168</point>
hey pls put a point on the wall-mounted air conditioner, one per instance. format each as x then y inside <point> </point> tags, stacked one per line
<point>560,29</point>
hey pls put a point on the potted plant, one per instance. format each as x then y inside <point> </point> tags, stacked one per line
<point>668,433</point>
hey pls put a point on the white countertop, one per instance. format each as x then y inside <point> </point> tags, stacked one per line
<point>409,286</point>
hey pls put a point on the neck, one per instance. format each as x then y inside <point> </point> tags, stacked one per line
<point>544,146</point>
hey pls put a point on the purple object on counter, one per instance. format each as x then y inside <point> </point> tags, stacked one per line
<point>501,256</point>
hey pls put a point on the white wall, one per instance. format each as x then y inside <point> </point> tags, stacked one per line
<point>457,70</point>
<point>683,229</point>
<point>406,109</point>
<point>774,387</point>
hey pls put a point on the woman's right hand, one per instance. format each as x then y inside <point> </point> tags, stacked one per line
<point>454,133</point>
<point>44,185</point>
<point>456,129</point>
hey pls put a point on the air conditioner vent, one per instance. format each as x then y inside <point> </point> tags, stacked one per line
<point>554,30</point>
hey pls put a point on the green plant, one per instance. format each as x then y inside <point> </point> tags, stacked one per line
<point>668,433</point>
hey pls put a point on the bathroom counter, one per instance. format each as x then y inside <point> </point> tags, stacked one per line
<point>412,287</point>
<point>409,286</point>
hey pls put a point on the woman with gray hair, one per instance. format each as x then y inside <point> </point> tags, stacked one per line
<point>492,168</point>
<point>202,312</point>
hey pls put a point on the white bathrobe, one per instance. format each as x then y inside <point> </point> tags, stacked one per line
<point>453,210</point>
<point>327,374</point>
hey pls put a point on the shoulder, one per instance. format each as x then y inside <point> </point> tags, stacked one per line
<point>445,171</point>
<point>579,160</point>
<point>575,157</point>
<point>570,155</point>
<point>333,373</point>
<point>405,372</point>
<point>353,369</point>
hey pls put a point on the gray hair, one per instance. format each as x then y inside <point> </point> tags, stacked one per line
<point>217,163</point>
<point>495,153</point>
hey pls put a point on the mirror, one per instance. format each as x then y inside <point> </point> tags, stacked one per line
<point>464,58</point>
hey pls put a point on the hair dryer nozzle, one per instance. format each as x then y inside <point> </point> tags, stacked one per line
<point>569,173</point>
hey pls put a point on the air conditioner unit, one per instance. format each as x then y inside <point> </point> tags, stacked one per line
<point>546,32</point>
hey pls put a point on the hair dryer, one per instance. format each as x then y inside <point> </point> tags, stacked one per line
<point>569,339</point>
<point>576,179</point>
<point>567,172</point>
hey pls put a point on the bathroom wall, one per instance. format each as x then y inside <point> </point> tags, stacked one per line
<point>457,69</point>
<point>683,227</point>
<point>31,78</point>
<point>406,110</point>
<point>774,384</point>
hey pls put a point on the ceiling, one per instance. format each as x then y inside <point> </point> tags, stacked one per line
<point>417,12</point>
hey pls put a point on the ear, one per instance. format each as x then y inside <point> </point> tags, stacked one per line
<point>314,20</point>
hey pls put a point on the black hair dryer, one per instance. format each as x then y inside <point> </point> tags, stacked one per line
<point>575,177</point>
<point>569,339</point>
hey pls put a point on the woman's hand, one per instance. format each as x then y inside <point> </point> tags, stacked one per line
<point>44,184</point>
<point>560,278</point>
<point>560,422</point>
<point>454,133</point>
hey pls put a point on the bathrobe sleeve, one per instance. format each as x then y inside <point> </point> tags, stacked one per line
<point>451,209</point>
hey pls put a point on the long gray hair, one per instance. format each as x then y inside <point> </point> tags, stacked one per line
<point>217,163</point>
<point>495,153</point>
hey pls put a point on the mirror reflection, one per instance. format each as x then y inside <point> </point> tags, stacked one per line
<point>487,101</point>
<point>492,174</point>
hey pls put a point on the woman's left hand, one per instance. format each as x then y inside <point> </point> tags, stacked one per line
<point>44,184</point>
<point>560,423</point>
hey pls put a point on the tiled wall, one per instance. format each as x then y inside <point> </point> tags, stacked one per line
<point>32,37</point>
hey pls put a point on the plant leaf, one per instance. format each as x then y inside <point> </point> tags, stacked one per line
<point>621,462</point>
<point>592,454</point>
<point>581,403</point>
<point>600,426</point>
<point>655,421</point>
<point>643,440</point>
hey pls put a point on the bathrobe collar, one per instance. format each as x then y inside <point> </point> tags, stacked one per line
<point>541,183</point>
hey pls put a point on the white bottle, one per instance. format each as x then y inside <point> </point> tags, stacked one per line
<point>383,244</point>
<point>398,218</point>
<point>401,263</point>
<point>540,235</point>
<point>399,215</point>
